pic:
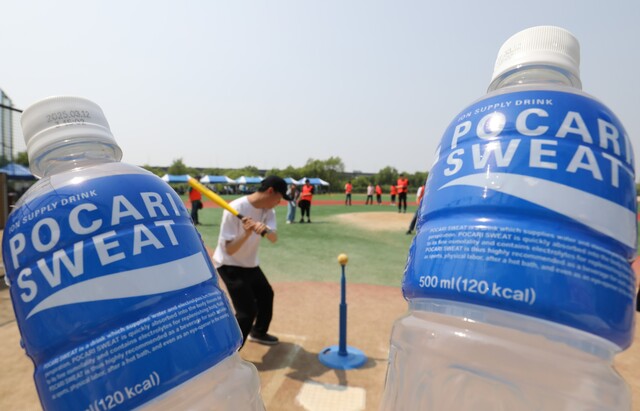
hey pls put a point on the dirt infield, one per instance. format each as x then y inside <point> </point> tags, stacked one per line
<point>376,220</point>
<point>306,321</point>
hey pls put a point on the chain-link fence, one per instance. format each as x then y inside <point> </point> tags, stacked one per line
<point>10,130</point>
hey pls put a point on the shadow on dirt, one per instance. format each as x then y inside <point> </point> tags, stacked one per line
<point>304,364</point>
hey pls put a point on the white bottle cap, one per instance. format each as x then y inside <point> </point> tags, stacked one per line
<point>547,45</point>
<point>61,120</point>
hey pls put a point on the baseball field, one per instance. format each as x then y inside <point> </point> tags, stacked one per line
<point>372,236</point>
<point>303,269</point>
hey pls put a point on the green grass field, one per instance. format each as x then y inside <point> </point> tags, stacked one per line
<point>308,252</point>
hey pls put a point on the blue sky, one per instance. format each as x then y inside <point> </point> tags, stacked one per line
<point>274,83</point>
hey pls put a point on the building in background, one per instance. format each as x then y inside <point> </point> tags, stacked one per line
<point>9,128</point>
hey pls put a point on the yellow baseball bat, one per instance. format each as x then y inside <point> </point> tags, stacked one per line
<point>213,196</point>
<point>219,201</point>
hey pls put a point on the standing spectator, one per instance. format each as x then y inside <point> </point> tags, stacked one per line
<point>236,258</point>
<point>369,195</point>
<point>394,192</point>
<point>414,220</point>
<point>403,187</point>
<point>196,204</point>
<point>378,194</point>
<point>294,194</point>
<point>305,201</point>
<point>636,269</point>
<point>347,190</point>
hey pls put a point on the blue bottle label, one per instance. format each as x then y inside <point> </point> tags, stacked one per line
<point>531,208</point>
<point>114,294</point>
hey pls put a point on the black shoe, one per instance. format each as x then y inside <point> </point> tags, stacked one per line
<point>263,338</point>
<point>301,221</point>
<point>309,221</point>
<point>408,232</point>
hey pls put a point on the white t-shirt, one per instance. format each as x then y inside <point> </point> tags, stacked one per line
<point>231,228</point>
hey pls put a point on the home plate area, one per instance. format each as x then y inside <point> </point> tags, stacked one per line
<point>330,397</point>
<point>306,319</point>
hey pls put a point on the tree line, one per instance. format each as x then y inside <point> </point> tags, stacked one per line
<point>330,170</point>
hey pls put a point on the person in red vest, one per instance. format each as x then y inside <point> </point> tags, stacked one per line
<point>306,195</point>
<point>403,187</point>
<point>394,192</point>
<point>378,194</point>
<point>196,204</point>
<point>347,190</point>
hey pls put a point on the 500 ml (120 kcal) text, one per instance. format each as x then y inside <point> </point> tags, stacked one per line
<point>481,287</point>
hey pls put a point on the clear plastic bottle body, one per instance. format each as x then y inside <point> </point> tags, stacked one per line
<point>219,379</point>
<point>448,355</point>
<point>233,384</point>
<point>461,348</point>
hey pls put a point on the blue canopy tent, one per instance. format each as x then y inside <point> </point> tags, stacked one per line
<point>314,181</point>
<point>17,172</point>
<point>290,180</point>
<point>244,182</point>
<point>170,178</point>
<point>217,180</point>
<point>249,180</point>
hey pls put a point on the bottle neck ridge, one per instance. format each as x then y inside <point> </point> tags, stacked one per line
<point>536,75</point>
<point>68,157</point>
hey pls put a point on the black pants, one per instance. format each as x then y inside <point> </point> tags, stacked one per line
<point>414,220</point>
<point>369,200</point>
<point>378,198</point>
<point>252,297</point>
<point>347,200</point>
<point>402,198</point>
<point>195,206</point>
<point>305,208</point>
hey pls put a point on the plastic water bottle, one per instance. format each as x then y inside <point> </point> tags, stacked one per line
<point>519,285</point>
<point>115,296</point>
